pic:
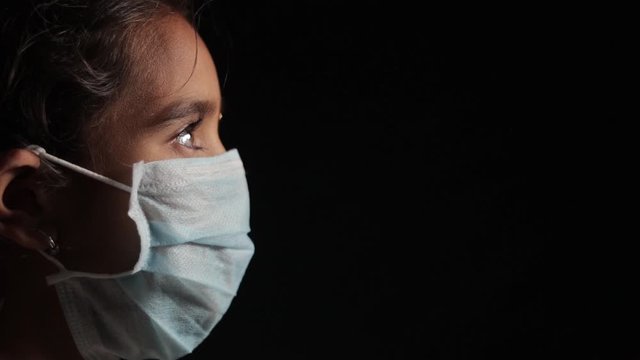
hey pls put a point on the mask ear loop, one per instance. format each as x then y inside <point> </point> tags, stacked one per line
<point>41,152</point>
<point>53,247</point>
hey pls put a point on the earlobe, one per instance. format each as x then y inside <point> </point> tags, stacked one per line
<point>20,211</point>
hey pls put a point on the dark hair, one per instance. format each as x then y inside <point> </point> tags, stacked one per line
<point>63,62</point>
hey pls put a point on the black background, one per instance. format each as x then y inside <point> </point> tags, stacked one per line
<point>428,183</point>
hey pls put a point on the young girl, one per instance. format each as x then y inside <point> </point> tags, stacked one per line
<point>123,218</point>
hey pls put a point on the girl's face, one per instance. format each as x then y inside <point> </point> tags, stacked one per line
<point>172,111</point>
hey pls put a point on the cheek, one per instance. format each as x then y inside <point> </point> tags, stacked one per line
<point>94,231</point>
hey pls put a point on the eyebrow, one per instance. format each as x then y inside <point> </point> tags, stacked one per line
<point>181,109</point>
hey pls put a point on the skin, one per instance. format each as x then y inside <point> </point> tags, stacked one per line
<point>88,218</point>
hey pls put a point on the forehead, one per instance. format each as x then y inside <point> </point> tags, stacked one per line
<point>174,64</point>
<point>183,57</point>
<point>170,67</point>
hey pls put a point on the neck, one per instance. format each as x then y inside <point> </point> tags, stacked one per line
<point>32,325</point>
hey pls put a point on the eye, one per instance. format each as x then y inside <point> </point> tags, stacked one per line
<point>186,138</point>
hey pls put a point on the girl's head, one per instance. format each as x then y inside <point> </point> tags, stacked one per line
<point>106,84</point>
<point>102,84</point>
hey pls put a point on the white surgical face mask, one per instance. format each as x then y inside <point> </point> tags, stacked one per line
<point>192,216</point>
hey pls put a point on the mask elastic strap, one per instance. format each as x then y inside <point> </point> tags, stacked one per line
<point>41,152</point>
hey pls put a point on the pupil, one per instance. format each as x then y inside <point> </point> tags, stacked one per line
<point>184,139</point>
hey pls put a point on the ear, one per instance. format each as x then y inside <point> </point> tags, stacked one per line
<point>21,211</point>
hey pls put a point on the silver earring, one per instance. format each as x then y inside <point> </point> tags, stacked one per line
<point>54,248</point>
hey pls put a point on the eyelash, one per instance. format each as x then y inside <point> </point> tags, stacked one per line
<point>189,129</point>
